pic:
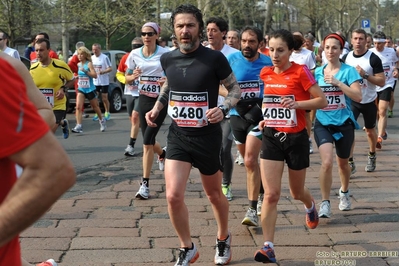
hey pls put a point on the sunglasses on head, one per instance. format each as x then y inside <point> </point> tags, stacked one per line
<point>136,45</point>
<point>149,34</point>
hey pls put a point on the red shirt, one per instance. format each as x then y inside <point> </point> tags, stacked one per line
<point>21,127</point>
<point>296,82</point>
<point>33,57</point>
<point>122,64</point>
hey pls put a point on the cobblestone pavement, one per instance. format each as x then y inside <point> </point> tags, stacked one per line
<point>100,223</point>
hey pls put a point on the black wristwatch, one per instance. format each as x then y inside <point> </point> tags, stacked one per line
<point>224,109</point>
<point>366,75</point>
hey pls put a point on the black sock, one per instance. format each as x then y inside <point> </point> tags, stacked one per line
<point>146,181</point>
<point>253,204</point>
<point>132,142</point>
<point>351,159</point>
<point>371,153</point>
<point>344,192</point>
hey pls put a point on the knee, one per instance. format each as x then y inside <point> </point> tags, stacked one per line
<point>271,198</point>
<point>214,197</point>
<point>174,200</point>
<point>327,164</point>
<point>135,119</point>
<point>251,162</point>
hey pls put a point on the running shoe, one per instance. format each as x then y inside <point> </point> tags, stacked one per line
<point>310,146</point>
<point>223,251</point>
<point>84,115</point>
<point>259,205</point>
<point>266,255</point>
<point>144,191</point>
<point>65,129</point>
<point>239,160</point>
<point>95,117</point>
<point>161,160</point>
<point>187,256</point>
<point>77,129</point>
<point>312,218</point>
<point>226,189</point>
<point>344,201</point>
<point>49,262</point>
<point>390,113</point>
<point>251,218</point>
<point>371,163</point>
<point>352,165</point>
<point>325,209</point>
<point>379,143</point>
<point>129,151</point>
<point>385,136</point>
<point>103,125</point>
<point>107,116</point>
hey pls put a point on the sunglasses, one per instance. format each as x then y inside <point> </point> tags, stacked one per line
<point>136,45</point>
<point>1,39</point>
<point>149,34</point>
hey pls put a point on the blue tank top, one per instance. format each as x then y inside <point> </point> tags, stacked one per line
<point>85,82</point>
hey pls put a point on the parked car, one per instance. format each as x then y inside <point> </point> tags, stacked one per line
<point>116,95</point>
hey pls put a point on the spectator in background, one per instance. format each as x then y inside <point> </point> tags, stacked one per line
<point>30,48</point>
<point>52,53</point>
<point>4,38</point>
<point>233,39</point>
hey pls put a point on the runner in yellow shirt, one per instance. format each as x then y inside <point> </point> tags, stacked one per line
<point>52,77</point>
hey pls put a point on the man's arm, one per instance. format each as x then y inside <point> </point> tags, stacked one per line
<point>234,91</point>
<point>44,179</point>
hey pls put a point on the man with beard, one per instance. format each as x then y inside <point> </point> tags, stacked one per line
<point>244,118</point>
<point>216,30</point>
<point>190,92</point>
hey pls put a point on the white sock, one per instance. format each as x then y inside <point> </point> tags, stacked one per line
<point>268,243</point>
<point>311,208</point>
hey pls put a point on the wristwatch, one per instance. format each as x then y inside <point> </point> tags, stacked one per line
<point>366,75</point>
<point>224,109</point>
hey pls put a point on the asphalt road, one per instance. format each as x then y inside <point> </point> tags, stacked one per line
<point>95,147</point>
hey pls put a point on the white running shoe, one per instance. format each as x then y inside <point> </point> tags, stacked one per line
<point>103,125</point>
<point>129,151</point>
<point>251,218</point>
<point>187,256</point>
<point>144,191</point>
<point>325,209</point>
<point>223,251</point>
<point>344,201</point>
<point>77,129</point>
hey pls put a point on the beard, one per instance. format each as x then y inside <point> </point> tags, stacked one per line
<point>188,46</point>
<point>249,53</point>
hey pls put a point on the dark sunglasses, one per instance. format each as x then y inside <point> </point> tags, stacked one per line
<point>149,34</point>
<point>136,45</point>
<point>1,39</point>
